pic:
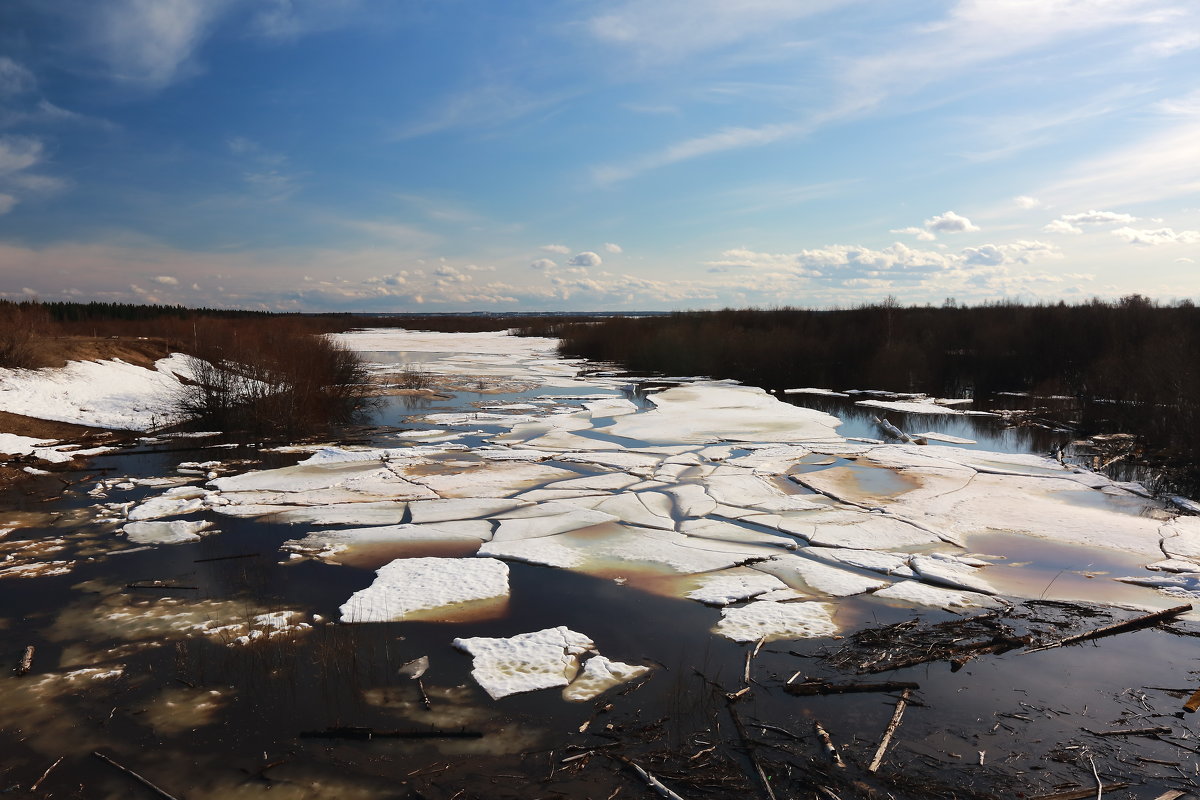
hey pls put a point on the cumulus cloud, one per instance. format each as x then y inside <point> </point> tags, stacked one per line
<point>921,234</point>
<point>7,203</point>
<point>1150,238</point>
<point>556,248</point>
<point>950,223</point>
<point>610,247</point>
<point>1019,252</point>
<point>543,264</point>
<point>1025,201</point>
<point>585,259</point>
<point>166,280</point>
<point>1061,226</point>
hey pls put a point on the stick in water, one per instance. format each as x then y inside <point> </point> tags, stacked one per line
<point>901,704</point>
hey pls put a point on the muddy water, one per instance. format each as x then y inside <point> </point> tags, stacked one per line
<point>202,717</point>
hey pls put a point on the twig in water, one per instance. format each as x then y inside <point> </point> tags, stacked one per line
<point>50,768</point>
<point>651,781</point>
<point>134,775</point>
<point>827,743</point>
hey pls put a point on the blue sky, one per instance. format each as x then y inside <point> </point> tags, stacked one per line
<point>370,155</point>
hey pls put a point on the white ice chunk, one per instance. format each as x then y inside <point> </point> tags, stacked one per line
<point>874,560</point>
<point>691,500</point>
<point>814,390</point>
<point>628,507</point>
<point>598,676</point>
<point>604,548</point>
<point>608,482</point>
<point>385,512</point>
<point>723,531</point>
<point>535,527</point>
<point>922,594</point>
<point>710,412</point>
<point>426,588</point>
<point>499,479</point>
<point>525,662</point>
<point>469,508</point>
<point>173,532</point>
<point>1181,537</point>
<point>732,586</point>
<point>611,407</point>
<point>949,571</point>
<point>172,503</point>
<point>331,542</point>
<point>909,406</point>
<point>801,573</point>
<point>769,620</point>
<point>943,437</point>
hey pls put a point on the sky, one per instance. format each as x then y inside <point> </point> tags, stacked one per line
<point>466,155</point>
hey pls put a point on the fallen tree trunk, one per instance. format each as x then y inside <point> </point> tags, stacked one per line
<point>1134,624</point>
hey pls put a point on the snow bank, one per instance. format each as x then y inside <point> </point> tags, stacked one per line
<point>98,394</point>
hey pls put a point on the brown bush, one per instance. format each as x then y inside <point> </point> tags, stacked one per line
<point>22,329</point>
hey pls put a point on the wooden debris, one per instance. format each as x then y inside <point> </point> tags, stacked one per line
<point>1171,794</point>
<point>356,732</point>
<point>1152,731</point>
<point>889,731</point>
<point>135,776</point>
<point>1078,794</point>
<point>1193,702</point>
<point>824,687</point>
<point>26,662</point>
<point>651,781</point>
<point>224,558</point>
<point>49,769</point>
<point>160,586</point>
<point>1144,621</point>
<point>827,743</point>
<point>748,746</point>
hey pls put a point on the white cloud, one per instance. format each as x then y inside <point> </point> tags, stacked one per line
<point>543,264</point>
<point>921,234</point>
<point>149,43</point>
<point>585,259</point>
<point>694,26</point>
<point>1019,252</point>
<point>1061,226</point>
<point>1025,201</point>
<point>166,280</point>
<point>14,78</point>
<point>19,153</point>
<point>950,223</point>
<point>609,247</point>
<point>1149,238</point>
<point>1094,217</point>
<point>556,248</point>
<point>7,203</point>
<point>290,19</point>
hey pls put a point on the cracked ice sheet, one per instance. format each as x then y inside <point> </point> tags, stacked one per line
<point>598,676</point>
<point>437,589</point>
<point>707,413</point>
<point>803,574</point>
<point>525,662</point>
<point>317,483</point>
<point>610,549</point>
<point>731,586</point>
<point>772,621</point>
<point>495,479</point>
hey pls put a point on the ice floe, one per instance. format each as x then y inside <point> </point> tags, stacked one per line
<point>428,589</point>
<point>526,662</point>
<point>801,573</point>
<point>732,586</point>
<point>173,532</point>
<point>599,674</point>
<point>913,592</point>
<point>772,621</point>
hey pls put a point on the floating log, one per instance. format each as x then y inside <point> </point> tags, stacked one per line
<point>890,730</point>
<point>824,687</point>
<point>1193,702</point>
<point>827,743</point>
<point>26,662</point>
<point>161,792</point>
<point>1134,624</point>
<point>1156,730</point>
<point>356,732</point>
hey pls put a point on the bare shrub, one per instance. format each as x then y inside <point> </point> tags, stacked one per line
<point>413,378</point>
<point>22,327</point>
<point>271,376</point>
